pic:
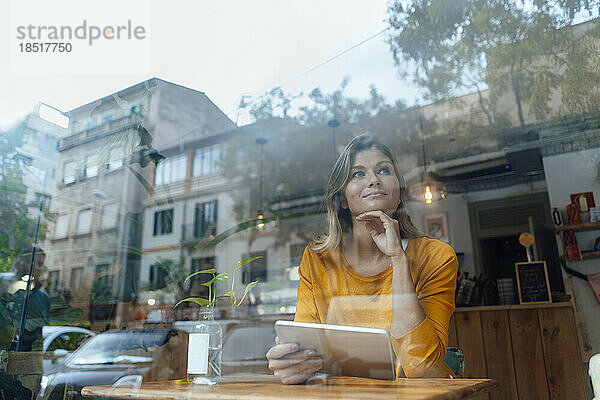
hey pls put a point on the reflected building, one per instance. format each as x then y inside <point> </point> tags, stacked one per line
<point>195,198</point>
<point>39,157</point>
<point>104,173</point>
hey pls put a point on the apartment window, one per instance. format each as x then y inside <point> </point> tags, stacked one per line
<point>115,159</point>
<point>91,166</point>
<point>206,160</point>
<point>163,222</point>
<point>205,219</point>
<point>103,284</point>
<point>76,277</point>
<point>110,216</point>
<point>61,228</point>
<point>199,264</point>
<point>84,221</point>
<point>158,276</point>
<point>171,170</point>
<point>53,280</point>
<point>257,269</point>
<point>69,172</point>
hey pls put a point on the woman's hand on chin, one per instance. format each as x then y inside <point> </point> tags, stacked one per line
<point>385,232</point>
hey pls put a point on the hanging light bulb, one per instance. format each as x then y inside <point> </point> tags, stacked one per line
<point>428,194</point>
<point>260,225</point>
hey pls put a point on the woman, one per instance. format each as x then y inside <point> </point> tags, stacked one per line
<point>374,269</point>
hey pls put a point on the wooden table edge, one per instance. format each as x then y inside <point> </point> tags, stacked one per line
<point>482,386</point>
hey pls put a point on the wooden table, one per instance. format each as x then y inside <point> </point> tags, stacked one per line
<point>332,388</point>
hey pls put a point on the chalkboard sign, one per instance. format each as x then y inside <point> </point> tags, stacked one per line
<point>532,282</point>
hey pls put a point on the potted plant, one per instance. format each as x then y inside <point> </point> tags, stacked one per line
<point>206,337</point>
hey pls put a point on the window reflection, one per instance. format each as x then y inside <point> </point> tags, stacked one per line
<point>155,182</point>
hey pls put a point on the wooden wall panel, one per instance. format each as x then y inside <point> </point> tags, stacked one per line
<point>470,341</point>
<point>498,354</point>
<point>561,353</point>
<point>452,338</point>
<point>530,371</point>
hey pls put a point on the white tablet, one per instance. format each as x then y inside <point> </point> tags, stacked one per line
<point>345,350</point>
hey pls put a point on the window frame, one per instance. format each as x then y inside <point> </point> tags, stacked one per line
<point>167,170</point>
<point>56,225</point>
<point>87,167</point>
<point>69,179</point>
<point>202,225</point>
<point>159,226</point>
<point>114,219</point>
<point>78,231</point>
<point>200,165</point>
<point>256,270</point>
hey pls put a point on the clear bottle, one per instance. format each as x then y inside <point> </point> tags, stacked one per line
<point>205,349</point>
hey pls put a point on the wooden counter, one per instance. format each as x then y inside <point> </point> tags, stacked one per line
<point>335,388</point>
<point>531,350</point>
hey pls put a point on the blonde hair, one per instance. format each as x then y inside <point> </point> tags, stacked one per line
<point>339,220</point>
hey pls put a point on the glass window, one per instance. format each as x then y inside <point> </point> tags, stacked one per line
<point>206,160</point>
<point>84,221</point>
<point>53,280</point>
<point>199,264</point>
<point>69,172</point>
<point>163,222</point>
<point>76,277</point>
<point>491,109</point>
<point>205,219</point>
<point>110,216</point>
<point>115,159</point>
<point>102,289</point>
<point>158,276</point>
<point>61,227</point>
<point>257,269</point>
<point>171,170</point>
<point>91,166</point>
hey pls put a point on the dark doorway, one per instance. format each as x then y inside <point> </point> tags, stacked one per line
<point>500,254</point>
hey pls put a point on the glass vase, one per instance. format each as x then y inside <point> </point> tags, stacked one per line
<point>205,348</point>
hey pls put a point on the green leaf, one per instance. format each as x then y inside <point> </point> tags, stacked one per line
<point>219,278</point>
<point>248,288</point>
<point>205,271</point>
<point>198,300</point>
<point>241,263</point>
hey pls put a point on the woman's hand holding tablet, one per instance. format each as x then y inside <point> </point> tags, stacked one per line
<point>291,363</point>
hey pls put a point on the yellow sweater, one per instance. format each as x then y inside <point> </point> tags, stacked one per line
<point>331,292</point>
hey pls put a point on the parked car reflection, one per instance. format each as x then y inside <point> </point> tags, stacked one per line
<point>59,342</point>
<point>114,357</point>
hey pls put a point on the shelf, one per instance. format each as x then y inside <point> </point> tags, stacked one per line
<point>585,256</point>
<point>588,226</point>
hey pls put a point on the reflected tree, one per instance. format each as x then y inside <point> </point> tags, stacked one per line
<point>525,51</point>
<point>16,227</point>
